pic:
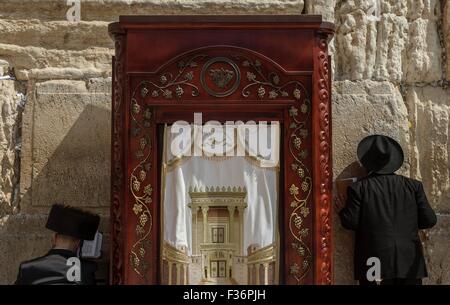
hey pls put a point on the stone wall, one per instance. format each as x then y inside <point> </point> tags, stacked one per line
<point>391,73</point>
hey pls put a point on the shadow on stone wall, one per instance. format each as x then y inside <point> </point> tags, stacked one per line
<point>344,240</point>
<point>78,174</point>
<point>78,171</point>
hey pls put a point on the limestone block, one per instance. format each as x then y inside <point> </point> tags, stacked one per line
<point>355,44</point>
<point>4,67</point>
<point>421,9</point>
<point>66,144</point>
<point>41,44</point>
<point>321,7</point>
<point>429,113</point>
<point>375,107</point>
<point>390,58</point>
<point>423,52</point>
<point>395,7</point>
<point>60,35</point>
<point>109,10</point>
<point>344,241</point>
<point>9,140</point>
<point>437,252</point>
<point>398,43</point>
<point>36,62</point>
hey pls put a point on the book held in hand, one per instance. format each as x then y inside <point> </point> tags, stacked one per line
<point>92,248</point>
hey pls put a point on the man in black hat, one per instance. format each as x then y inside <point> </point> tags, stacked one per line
<point>386,211</point>
<point>71,227</point>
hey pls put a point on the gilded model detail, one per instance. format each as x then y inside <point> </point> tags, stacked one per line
<point>214,238</point>
<point>218,255</point>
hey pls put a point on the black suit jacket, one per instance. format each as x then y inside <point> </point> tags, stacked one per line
<point>386,212</point>
<point>51,269</point>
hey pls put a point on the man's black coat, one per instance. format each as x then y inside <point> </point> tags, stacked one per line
<point>51,269</point>
<point>386,213</point>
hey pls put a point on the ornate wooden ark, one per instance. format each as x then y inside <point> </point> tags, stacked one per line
<point>229,68</point>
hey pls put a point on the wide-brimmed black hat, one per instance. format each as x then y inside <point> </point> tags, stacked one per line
<point>72,222</point>
<point>380,154</point>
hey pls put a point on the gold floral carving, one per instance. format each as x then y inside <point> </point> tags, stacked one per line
<point>300,191</point>
<point>170,86</point>
<point>141,190</point>
<point>259,83</point>
<point>268,85</point>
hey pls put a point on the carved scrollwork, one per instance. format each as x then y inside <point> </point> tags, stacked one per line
<point>117,169</point>
<point>325,163</point>
<point>170,86</point>
<point>219,76</point>
<point>268,84</point>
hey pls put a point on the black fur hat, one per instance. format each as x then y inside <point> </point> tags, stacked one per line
<point>72,222</point>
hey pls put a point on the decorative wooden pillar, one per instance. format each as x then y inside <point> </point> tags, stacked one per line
<point>194,211</point>
<point>266,273</point>
<point>205,223</point>
<point>178,269</point>
<point>257,278</point>
<point>230,223</point>
<point>185,268</point>
<point>169,280</point>
<point>241,230</point>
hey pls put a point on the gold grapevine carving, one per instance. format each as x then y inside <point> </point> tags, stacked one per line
<point>300,190</point>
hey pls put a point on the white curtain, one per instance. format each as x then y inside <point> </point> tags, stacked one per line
<point>259,178</point>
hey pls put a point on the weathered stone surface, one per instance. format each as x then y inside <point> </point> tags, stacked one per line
<point>423,52</point>
<point>10,99</point>
<point>61,35</point>
<point>66,144</point>
<point>343,254</point>
<point>321,7</point>
<point>4,67</point>
<point>400,43</point>
<point>109,10</point>
<point>446,36</point>
<point>50,47</point>
<point>429,112</point>
<point>437,251</point>
<point>37,63</point>
<point>375,108</point>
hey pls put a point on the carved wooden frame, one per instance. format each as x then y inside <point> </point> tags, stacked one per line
<point>134,169</point>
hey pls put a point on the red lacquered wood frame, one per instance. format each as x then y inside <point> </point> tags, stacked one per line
<point>280,71</point>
